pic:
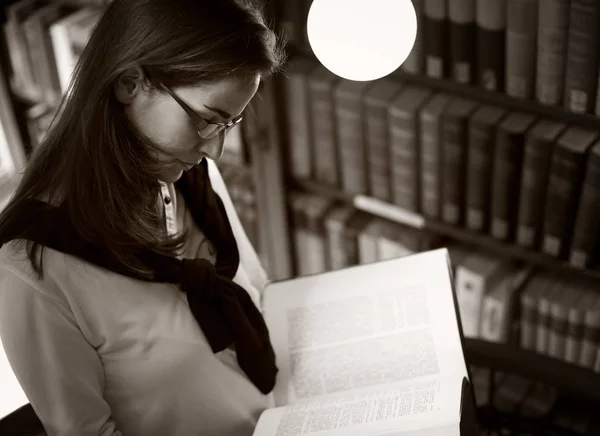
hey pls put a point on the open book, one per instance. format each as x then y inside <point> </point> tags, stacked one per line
<point>368,350</point>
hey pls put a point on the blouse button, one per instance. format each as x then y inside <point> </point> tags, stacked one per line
<point>167,200</point>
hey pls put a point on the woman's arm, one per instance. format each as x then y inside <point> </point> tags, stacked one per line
<point>58,369</point>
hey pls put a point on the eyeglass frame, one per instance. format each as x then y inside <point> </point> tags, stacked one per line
<point>200,123</point>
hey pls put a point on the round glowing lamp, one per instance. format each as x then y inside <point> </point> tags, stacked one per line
<point>362,40</point>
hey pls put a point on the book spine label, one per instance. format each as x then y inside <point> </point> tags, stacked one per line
<point>403,159</point>
<point>479,169</point>
<point>299,127</point>
<point>324,133</point>
<point>455,134</point>
<point>521,38</point>
<point>435,31</point>
<point>563,190</point>
<point>583,49</point>
<point>587,226</point>
<point>430,139</point>
<point>505,183</point>
<point>462,40</point>
<point>378,151</point>
<point>536,164</point>
<point>350,138</point>
<point>490,45</point>
<point>414,63</point>
<point>553,25</point>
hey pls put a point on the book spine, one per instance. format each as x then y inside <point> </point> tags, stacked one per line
<point>316,241</point>
<point>335,228</point>
<point>553,26</point>
<point>490,37</point>
<point>350,241</point>
<point>304,8</point>
<point>403,158</point>
<point>290,22</point>
<point>508,157</point>
<point>561,201</point>
<point>529,319</point>
<point>350,138</point>
<point>435,30</point>
<point>586,231</point>
<point>367,246</point>
<point>299,128</point>
<point>470,289</point>
<point>479,170</point>
<point>574,334</point>
<point>454,134</point>
<point>431,143</point>
<point>544,324</point>
<point>558,330</point>
<point>534,179</point>
<point>583,49</point>
<point>591,337</point>
<point>299,233</point>
<point>378,150</point>
<point>493,320</point>
<point>323,126</point>
<point>521,37</point>
<point>462,40</point>
<point>414,63</point>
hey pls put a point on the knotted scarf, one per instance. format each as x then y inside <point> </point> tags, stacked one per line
<point>223,309</point>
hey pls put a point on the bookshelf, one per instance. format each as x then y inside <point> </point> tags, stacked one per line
<point>308,177</point>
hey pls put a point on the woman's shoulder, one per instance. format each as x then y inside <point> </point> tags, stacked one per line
<point>59,271</point>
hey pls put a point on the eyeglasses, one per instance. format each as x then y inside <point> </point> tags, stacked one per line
<point>205,129</point>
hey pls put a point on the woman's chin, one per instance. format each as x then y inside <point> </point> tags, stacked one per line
<point>171,175</point>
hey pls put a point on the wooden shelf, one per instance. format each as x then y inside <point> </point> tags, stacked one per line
<point>535,366</point>
<point>456,233</point>
<point>482,96</point>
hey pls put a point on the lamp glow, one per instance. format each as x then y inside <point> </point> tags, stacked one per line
<point>362,39</point>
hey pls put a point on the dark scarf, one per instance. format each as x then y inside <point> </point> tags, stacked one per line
<point>222,308</point>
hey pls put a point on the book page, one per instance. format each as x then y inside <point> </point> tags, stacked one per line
<point>408,409</point>
<point>367,327</point>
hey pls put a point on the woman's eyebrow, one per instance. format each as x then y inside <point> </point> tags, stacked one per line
<point>221,112</point>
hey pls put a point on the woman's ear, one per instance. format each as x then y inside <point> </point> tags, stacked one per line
<point>129,85</point>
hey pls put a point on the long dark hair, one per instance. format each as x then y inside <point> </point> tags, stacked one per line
<point>93,163</point>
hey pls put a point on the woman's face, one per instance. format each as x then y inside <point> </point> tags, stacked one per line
<point>160,118</point>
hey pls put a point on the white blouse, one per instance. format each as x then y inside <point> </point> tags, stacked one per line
<point>99,353</point>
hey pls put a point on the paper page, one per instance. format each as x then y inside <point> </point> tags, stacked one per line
<point>408,410</point>
<point>364,327</point>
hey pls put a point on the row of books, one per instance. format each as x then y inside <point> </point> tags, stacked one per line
<point>546,50</point>
<point>555,316</point>
<point>523,398</point>
<point>44,41</point>
<point>517,176</point>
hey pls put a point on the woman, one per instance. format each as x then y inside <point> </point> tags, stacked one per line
<point>122,258</point>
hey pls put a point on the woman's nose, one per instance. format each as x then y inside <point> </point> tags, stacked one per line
<point>213,148</point>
